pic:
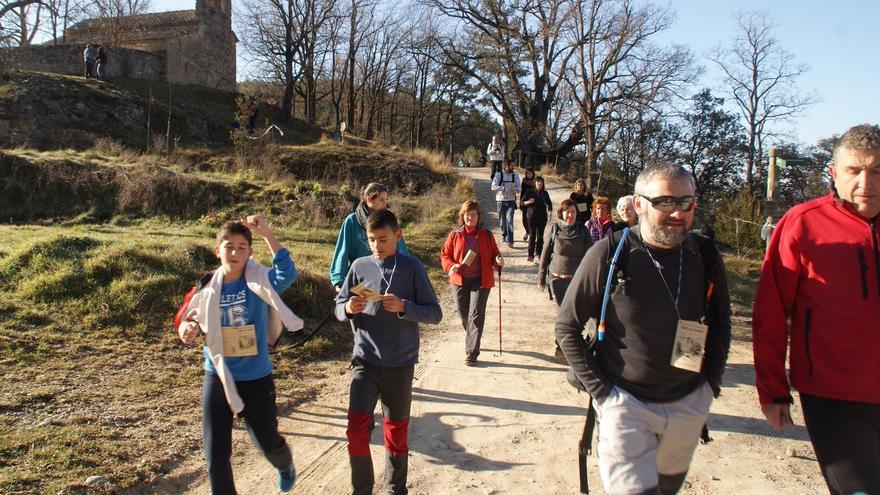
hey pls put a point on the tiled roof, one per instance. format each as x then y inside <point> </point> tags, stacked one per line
<point>157,21</point>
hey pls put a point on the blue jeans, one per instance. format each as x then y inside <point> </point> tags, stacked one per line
<point>506,210</point>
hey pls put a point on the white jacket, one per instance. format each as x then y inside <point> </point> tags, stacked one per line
<point>204,308</point>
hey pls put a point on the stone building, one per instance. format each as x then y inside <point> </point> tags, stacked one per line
<point>184,47</point>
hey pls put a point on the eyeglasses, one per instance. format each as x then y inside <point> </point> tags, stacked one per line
<point>668,203</point>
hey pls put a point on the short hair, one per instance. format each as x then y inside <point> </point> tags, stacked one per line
<point>373,190</point>
<point>381,219</point>
<point>466,207</point>
<point>564,205</point>
<point>862,137</point>
<point>624,199</point>
<point>602,200</point>
<point>234,228</point>
<point>667,170</point>
<point>538,178</point>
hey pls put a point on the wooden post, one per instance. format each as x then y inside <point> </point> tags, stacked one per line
<point>771,175</point>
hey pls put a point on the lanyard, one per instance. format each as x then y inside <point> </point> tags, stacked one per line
<point>680,269</point>
<point>382,274</point>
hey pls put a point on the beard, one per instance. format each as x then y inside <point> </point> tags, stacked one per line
<point>665,238</point>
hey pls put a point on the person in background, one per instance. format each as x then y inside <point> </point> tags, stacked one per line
<point>506,185</point>
<point>101,63</point>
<point>352,241</point>
<point>537,204</point>
<point>628,216</point>
<point>564,249</point>
<point>583,201</point>
<point>495,150</point>
<point>89,59</point>
<point>600,225</point>
<point>470,256</point>
<point>528,182</point>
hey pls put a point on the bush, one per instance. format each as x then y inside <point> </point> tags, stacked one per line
<point>739,226</point>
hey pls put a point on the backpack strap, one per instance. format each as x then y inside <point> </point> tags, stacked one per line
<point>612,270</point>
<point>585,447</point>
<point>712,269</point>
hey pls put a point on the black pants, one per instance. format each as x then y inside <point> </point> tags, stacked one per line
<point>846,438</point>
<point>89,69</point>
<point>472,300</point>
<point>260,417</point>
<point>558,286</point>
<point>369,382</point>
<point>536,225</point>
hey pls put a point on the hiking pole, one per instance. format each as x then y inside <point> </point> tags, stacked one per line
<point>500,351</point>
<point>304,340</point>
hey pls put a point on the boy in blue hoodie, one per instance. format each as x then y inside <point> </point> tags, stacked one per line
<point>239,309</point>
<point>386,296</point>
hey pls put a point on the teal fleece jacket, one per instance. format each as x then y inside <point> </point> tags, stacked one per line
<point>351,245</point>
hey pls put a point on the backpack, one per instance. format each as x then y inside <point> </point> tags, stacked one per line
<point>617,260</point>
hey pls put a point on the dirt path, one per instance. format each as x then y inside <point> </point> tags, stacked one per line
<point>511,424</point>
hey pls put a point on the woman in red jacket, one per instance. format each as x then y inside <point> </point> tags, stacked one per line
<point>469,255</point>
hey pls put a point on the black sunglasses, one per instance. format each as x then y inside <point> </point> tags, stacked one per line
<point>668,203</point>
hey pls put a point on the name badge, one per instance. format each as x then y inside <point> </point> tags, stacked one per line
<point>239,341</point>
<point>582,207</point>
<point>469,258</point>
<point>689,346</point>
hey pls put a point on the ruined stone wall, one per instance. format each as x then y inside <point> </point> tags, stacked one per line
<point>68,59</point>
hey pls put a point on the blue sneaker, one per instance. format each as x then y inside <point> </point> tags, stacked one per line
<point>286,478</point>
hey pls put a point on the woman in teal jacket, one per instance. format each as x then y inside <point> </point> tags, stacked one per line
<point>352,241</point>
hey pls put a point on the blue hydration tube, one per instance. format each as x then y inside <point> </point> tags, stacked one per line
<point>606,295</point>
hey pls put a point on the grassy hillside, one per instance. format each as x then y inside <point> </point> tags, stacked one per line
<point>99,249</point>
<point>52,111</point>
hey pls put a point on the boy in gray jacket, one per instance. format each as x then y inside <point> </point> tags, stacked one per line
<point>386,296</point>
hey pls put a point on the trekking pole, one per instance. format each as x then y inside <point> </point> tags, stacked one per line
<point>500,351</point>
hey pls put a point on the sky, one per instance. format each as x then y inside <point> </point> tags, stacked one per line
<point>836,39</point>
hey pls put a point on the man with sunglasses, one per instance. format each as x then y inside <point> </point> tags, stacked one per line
<point>655,361</point>
<point>820,290</point>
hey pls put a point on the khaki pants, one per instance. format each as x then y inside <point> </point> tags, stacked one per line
<point>639,440</point>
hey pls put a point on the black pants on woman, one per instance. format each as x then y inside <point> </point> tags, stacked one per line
<point>846,438</point>
<point>472,300</point>
<point>260,416</point>
<point>537,224</point>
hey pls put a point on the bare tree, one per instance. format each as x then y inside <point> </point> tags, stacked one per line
<point>761,78</point>
<point>618,69</point>
<point>15,24</point>
<point>111,14</point>
<point>516,51</point>
<point>59,15</point>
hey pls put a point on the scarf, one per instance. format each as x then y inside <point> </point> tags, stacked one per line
<point>362,212</point>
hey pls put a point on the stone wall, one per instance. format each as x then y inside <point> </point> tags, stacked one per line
<point>205,58</point>
<point>68,59</point>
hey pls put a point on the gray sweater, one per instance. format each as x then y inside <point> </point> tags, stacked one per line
<point>641,322</point>
<point>563,254</point>
<point>380,337</point>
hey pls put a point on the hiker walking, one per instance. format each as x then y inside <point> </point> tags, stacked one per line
<point>564,249</point>
<point>536,204</point>
<point>351,243</point>
<point>818,301</point>
<point>526,184</point>
<point>385,296</point>
<point>470,257</point>
<point>89,59</point>
<point>496,153</point>
<point>601,224</point>
<point>583,201</point>
<point>238,308</point>
<point>506,186</point>
<point>656,359</point>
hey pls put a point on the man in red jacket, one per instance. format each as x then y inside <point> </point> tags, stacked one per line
<point>822,271</point>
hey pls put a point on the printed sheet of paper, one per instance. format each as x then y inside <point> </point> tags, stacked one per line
<point>689,345</point>
<point>239,341</point>
<point>469,258</point>
<point>364,291</point>
<point>582,207</point>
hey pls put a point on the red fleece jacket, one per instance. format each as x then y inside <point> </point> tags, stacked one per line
<point>453,251</point>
